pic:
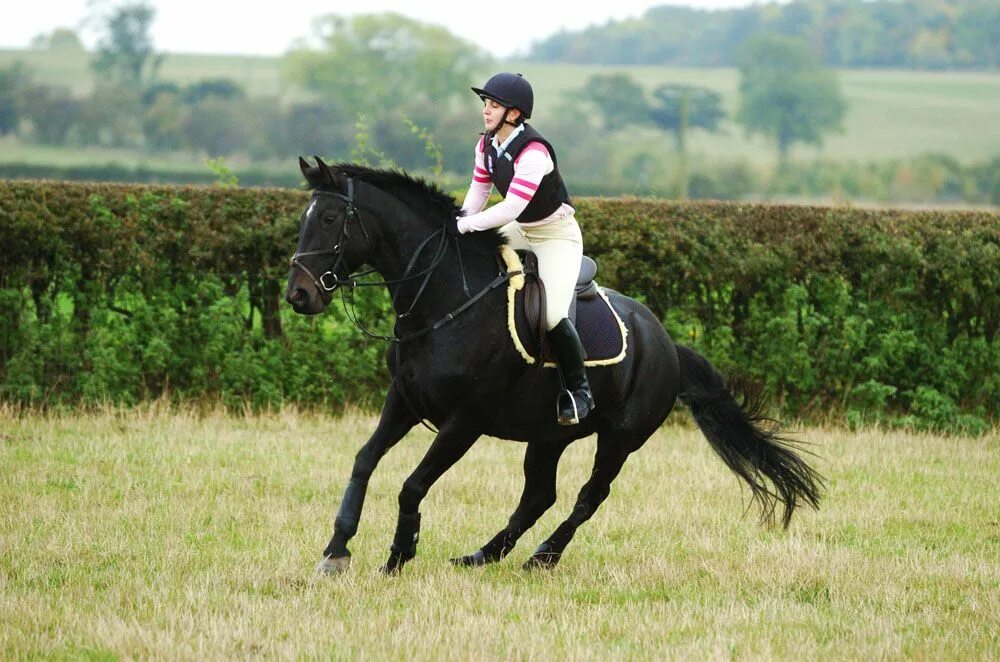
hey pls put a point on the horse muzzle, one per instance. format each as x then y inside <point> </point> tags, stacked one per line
<point>305,298</point>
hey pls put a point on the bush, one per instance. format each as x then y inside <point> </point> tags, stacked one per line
<point>123,293</point>
<point>817,302</point>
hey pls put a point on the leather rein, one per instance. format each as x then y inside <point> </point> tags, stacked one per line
<point>329,280</point>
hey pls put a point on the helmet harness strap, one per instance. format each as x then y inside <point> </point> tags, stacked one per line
<point>492,134</point>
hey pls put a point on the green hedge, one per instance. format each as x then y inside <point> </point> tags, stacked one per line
<point>877,315</point>
<point>124,293</point>
<point>117,172</point>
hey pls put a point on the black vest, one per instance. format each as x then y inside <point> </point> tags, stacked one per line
<point>551,191</point>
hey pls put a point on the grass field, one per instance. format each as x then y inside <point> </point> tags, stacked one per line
<point>891,114</point>
<point>154,533</point>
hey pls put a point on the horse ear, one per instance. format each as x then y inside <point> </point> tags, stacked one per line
<point>325,169</point>
<point>304,165</point>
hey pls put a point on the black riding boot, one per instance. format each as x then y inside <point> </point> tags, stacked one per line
<point>576,401</point>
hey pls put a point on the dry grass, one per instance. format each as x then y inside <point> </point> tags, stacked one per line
<point>171,534</point>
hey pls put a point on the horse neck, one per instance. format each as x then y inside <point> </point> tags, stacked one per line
<point>400,235</point>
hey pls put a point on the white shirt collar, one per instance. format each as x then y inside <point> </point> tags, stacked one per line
<point>513,134</point>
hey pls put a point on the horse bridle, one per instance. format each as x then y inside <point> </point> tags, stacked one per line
<point>350,211</point>
<point>353,280</point>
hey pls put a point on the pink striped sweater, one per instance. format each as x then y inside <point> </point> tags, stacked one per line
<point>533,163</point>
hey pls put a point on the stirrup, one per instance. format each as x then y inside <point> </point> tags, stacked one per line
<point>575,419</point>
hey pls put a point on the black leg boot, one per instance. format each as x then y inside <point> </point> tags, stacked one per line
<point>576,401</point>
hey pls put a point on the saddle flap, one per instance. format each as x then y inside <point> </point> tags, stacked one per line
<point>585,288</point>
<point>534,298</point>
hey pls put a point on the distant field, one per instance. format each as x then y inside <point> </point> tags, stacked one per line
<point>892,114</point>
<point>261,76</point>
<point>151,534</point>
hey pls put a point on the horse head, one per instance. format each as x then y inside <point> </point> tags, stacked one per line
<point>332,240</point>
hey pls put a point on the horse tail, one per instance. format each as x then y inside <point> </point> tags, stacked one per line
<point>749,443</point>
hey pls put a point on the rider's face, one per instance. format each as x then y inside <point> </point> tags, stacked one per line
<point>493,114</point>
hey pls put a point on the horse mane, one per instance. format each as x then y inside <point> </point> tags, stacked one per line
<point>422,196</point>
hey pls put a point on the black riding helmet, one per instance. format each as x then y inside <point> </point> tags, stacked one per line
<point>511,90</point>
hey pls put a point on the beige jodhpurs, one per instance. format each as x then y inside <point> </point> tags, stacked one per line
<point>559,247</point>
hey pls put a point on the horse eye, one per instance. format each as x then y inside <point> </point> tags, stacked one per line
<point>329,218</point>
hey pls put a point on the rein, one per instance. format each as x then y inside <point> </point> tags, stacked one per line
<point>352,281</point>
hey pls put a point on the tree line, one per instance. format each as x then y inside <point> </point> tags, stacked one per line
<point>390,91</point>
<point>391,77</point>
<point>919,34</point>
<point>786,95</point>
<point>375,85</point>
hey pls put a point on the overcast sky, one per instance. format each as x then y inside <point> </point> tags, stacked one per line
<point>247,27</point>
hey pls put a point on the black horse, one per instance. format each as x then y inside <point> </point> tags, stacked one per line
<point>453,363</point>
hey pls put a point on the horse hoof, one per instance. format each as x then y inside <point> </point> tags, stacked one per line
<point>333,565</point>
<point>394,566</point>
<point>392,570</point>
<point>543,561</point>
<point>475,559</point>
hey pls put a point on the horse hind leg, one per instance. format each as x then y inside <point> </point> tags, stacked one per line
<point>611,455</point>
<point>540,462</point>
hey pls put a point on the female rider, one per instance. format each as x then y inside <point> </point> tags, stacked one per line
<point>534,215</point>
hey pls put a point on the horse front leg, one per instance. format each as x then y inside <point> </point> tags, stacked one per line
<point>451,443</point>
<point>540,463</point>
<point>396,420</point>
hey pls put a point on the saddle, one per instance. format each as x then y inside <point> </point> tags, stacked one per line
<point>599,326</point>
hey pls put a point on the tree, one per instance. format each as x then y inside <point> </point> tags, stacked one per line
<point>618,99</point>
<point>151,92</point>
<point>681,107</point>
<point>314,126</point>
<point>113,116</point>
<point>53,111</point>
<point>220,88</point>
<point>216,126</point>
<point>15,80</point>
<point>125,50</point>
<point>859,40</point>
<point>988,176</point>
<point>126,65</point>
<point>386,65</point>
<point>60,39</point>
<point>786,94</point>
<point>164,121</point>
<point>976,34</point>
<point>397,73</point>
